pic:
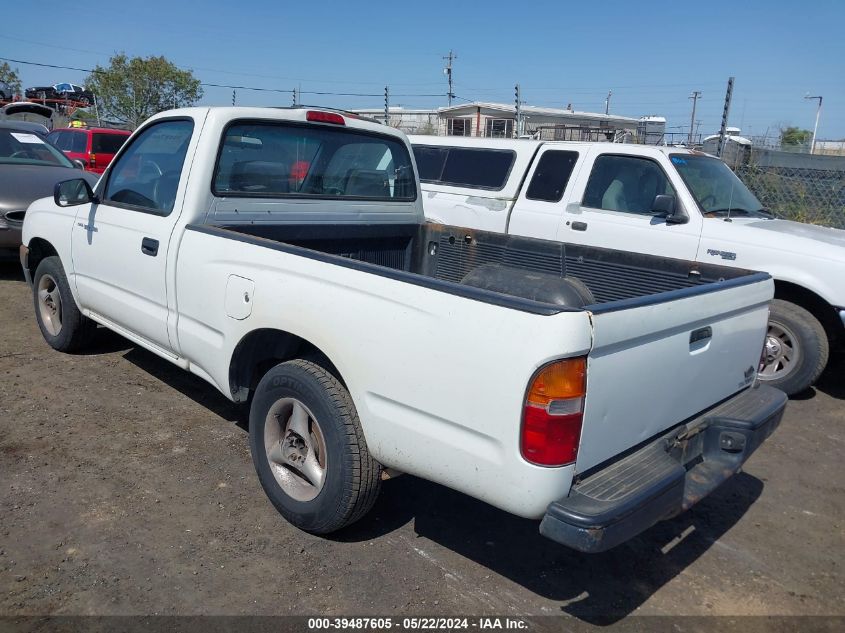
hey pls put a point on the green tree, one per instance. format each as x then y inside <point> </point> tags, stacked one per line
<point>133,89</point>
<point>10,76</point>
<point>795,136</point>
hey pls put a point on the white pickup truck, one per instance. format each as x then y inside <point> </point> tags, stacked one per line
<point>647,199</point>
<point>282,256</point>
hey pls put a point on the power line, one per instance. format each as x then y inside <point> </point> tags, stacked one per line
<point>228,86</point>
<point>218,70</point>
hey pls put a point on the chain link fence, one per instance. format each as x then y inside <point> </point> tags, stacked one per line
<point>797,193</point>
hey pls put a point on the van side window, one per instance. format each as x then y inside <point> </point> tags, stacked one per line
<point>60,139</point>
<point>430,162</point>
<point>464,167</point>
<point>551,176</point>
<point>79,144</point>
<point>625,183</point>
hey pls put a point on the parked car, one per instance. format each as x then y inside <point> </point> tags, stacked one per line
<point>282,256</point>
<point>25,126</point>
<point>29,169</point>
<point>662,201</point>
<point>95,147</point>
<point>65,91</point>
<point>26,108</point>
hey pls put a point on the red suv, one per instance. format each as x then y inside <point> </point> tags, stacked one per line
<point>94,146</point>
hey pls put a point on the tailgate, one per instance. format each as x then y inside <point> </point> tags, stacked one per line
<point>653,366</point>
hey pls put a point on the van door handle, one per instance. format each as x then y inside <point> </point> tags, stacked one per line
<point>149,246</point>
<point>579,226</point>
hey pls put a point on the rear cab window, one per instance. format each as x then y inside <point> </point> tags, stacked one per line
<point>270,159</point>
<point>464,167</point>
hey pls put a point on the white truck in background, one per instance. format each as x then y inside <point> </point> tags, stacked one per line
<point>662,201</point>
<point>282,256</point>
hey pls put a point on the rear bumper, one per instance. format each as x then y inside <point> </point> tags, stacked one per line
<point>665,477</point>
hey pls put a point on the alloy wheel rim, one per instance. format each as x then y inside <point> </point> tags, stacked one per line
<point>781,352</point>
<point>50,304</point>
<point>295,449</point>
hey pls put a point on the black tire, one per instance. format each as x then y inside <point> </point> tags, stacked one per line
<point>352,477</point>
<point>807,337</point>
<point>76,330</point>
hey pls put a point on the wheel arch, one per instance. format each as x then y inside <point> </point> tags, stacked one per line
<point>39,249</point>
<point>813,303</point>
<point>260,350</point>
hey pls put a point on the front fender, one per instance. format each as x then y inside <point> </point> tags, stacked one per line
<point>53,224</point>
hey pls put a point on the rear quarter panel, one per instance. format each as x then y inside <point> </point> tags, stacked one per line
<point>438,380</point>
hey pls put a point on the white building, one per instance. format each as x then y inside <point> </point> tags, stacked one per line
<point>498,120</point>
<point>736,149</point>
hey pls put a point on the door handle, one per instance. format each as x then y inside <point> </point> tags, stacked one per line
<point>579,226</point>
<point>149,246</point>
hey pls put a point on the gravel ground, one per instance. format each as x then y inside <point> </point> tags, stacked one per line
<point>127,488</point>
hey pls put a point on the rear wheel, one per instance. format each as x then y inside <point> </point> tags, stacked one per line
<point>63,326</point>
<point>796,350</point>
<point>308,448</point>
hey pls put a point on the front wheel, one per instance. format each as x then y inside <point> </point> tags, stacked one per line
<point>308,448</point>
<point>796,349</point>
<point>62,324</point>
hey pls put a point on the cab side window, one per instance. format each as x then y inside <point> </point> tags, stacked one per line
<point>146,176</point>
<point>625,183</point>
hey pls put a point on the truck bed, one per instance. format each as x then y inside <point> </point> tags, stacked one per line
<point>441,256</point>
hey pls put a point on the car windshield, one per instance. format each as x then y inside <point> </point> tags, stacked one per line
<point>21,147</point>
<point>716,188</point>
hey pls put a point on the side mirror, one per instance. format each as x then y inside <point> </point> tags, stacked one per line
<point>78,164</point>
<point>667,206</point>
<point>70,193</point>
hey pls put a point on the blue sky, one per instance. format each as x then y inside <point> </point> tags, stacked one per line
<point>651,54</point>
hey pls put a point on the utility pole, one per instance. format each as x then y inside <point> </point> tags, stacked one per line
<point>293,93</point>
<point>816,127</point>
<point>725,111</point>
<point>695,96</point>
<point>234,97</point>
<point>607,102</point>
<point>448,72</point>
<point>519,123</point>
<point>386,105</point>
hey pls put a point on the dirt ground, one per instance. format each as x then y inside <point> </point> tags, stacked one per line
<point>126,487</point>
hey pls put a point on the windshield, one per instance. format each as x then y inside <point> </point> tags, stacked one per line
<point>715,187</point>
<point>19,147</point>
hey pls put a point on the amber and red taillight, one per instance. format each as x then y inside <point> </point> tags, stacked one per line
<point>553,413</point>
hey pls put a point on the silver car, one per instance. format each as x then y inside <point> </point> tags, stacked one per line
<point>29,169</point>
